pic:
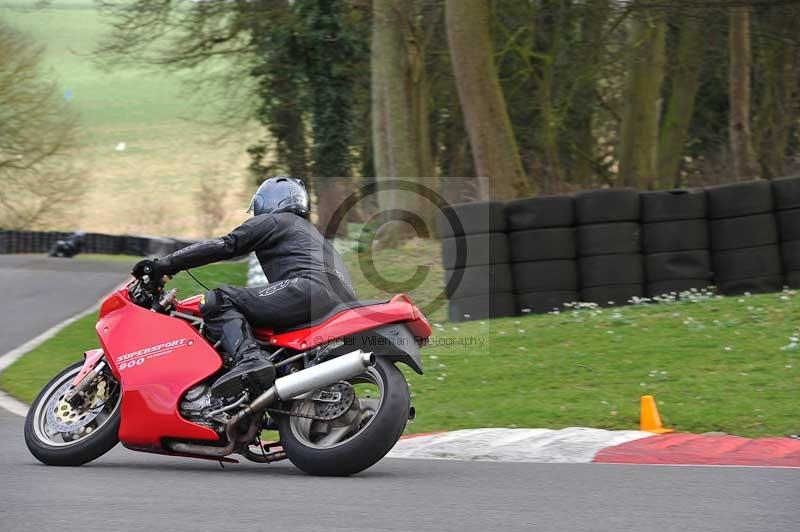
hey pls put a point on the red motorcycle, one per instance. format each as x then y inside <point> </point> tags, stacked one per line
<point>339,401</point>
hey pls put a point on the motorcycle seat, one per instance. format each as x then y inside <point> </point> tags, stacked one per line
<point>341,307</point>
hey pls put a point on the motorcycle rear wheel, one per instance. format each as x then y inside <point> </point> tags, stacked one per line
<point>58,434</point>
<point>366,442</point>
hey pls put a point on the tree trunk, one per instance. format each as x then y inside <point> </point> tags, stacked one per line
<point>742,153</point>
<point>638,158</point>
<point>779,102</point>
<point>401,137</point>
<point>580,116</point>
<point>685,77</point>
<point>491,137</point>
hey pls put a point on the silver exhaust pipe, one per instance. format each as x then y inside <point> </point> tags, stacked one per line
<point>285,388</point>
<point>338,369</point>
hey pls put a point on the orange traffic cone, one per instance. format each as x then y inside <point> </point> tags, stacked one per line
<point>649,420</point>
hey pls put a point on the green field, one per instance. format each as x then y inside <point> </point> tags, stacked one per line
<point>164,120</point>
<point>714,364</point>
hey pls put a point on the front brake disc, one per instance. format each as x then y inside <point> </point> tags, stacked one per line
<point>63,417</point>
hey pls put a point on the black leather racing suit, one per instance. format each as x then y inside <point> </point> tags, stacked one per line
<point>307,278</point>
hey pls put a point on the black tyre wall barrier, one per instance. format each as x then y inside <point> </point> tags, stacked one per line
<point>679,266</point>
<point>753,285</point>
<point>546,275</point>
<point>615,244</point>
<point>675,241</point>
<point>739,199</point>
<point>748,262</point>
<point>475,255</point>
<point>679,235</point>
<point>542,244</point>
<point>481,249</point>
<point>538,213</point>
<point>606,205</point>
<point>609,245</point>
<point>474,218</point>
<point>787,203</point>
<point>744,232</point>
<point>43,242</point>
<point>609,270</point>
<point>543,247</point>
<point>790,253</point>
<point>493,305</point>
<point>744,237</point>
<point>789,224</point>
<point>671,205</point>
<point>479,280</point>
<point>607,239</point>
<point>786,191</point>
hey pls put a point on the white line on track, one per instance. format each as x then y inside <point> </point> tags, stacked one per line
<point>6,401</point>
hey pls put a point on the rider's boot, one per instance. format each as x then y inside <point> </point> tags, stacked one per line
<point>251,367</point>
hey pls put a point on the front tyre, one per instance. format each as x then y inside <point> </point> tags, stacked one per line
<point>58,433</point>
<point>352,442</point>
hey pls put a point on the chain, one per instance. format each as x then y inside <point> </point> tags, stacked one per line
<point>306,416</point>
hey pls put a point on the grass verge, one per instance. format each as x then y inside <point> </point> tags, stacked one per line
<point>713,363</point>
<point>29,374</point>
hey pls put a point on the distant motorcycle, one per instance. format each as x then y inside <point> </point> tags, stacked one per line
<point>339,403</point>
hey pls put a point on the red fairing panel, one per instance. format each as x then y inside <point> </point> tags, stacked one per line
<point>91,358</point>
<point>156,358</point>
<point>399,309</point>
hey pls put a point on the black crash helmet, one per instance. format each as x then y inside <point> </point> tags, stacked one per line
<point>281,194</point>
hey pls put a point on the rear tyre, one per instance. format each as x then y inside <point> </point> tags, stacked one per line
<point>367,445</point>
<point>90,440</point>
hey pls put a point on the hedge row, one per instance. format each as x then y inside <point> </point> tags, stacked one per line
<point>609,246</point>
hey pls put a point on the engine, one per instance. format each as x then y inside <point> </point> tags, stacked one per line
<point>198,406</point>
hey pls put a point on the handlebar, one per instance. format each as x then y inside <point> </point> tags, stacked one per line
<point>149,293</point>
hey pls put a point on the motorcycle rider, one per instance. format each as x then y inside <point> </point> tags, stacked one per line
<point>306,275</point>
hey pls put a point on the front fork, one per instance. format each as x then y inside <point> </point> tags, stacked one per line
<point>92,366</point>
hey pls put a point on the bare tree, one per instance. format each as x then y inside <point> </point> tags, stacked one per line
<point>37,181</point>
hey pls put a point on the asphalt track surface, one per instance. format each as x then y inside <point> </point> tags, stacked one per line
<point>128,491</point>
<point>37,293</point>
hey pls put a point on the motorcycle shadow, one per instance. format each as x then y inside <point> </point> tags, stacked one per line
<point>242,469</point>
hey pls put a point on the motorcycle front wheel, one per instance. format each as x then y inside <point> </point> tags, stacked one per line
<point>62,434</point>
<point>365,423</point>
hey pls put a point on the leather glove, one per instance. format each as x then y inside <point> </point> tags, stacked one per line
<point>147,267</point>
